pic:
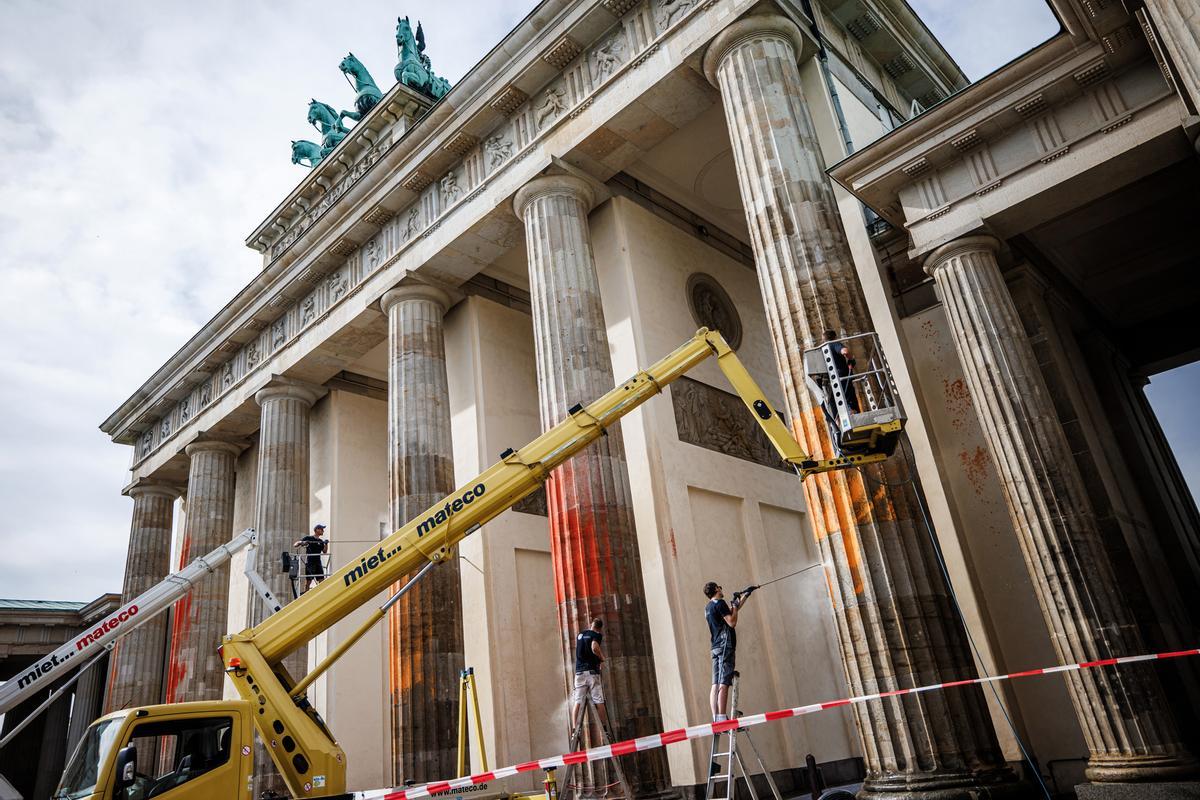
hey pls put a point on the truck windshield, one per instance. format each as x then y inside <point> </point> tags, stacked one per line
<point>79,778</point>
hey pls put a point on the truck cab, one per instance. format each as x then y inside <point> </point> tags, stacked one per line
<point>180,750</point>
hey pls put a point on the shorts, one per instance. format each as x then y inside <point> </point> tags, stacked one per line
<point>585,683</point>
<point>723,663</point>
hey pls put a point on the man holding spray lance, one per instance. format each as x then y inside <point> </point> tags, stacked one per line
<point>722,618</point>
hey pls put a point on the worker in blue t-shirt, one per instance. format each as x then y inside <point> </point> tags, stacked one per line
<point>588,658</point>
<point>722,619</point>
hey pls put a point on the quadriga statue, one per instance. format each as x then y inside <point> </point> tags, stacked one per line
<point>414,68</point>
<point>368,92</point>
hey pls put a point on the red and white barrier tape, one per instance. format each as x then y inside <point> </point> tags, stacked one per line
<point>709,728</point>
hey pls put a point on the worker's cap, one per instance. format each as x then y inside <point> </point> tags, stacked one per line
<point>320,525</point>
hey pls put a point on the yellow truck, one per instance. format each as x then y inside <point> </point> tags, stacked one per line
<point>205,750</point>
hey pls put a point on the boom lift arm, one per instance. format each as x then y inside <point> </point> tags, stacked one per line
<point>303,748</point>
<point>90,644</point>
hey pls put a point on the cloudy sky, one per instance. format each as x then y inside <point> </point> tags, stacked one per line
<point>142,142</point>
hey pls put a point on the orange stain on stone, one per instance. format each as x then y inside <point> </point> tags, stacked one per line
<point>836,503</point>
<point>181,625</point>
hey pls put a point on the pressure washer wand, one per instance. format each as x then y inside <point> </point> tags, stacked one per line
<point>749,590</point>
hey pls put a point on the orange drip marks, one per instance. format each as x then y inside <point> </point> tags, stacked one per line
<point>842,487</point>
<point>816,505</point>
<point>177,667</point>
<point>860,504</point>
<point>835,502</point>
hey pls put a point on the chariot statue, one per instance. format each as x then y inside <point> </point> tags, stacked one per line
<point>304,150</point>
<point>368,95</point>
<point>414,68</point>
<point>328,122</point>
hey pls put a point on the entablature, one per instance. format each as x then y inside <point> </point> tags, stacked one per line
<point>939,171</point>
<point>886,41</point>
<point>427,198</point>
<point>392,212</point>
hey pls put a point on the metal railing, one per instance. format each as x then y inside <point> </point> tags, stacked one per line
<point>851,379</point>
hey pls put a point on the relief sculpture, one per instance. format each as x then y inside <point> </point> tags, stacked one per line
<point>535,503</point>
<point>712,308</point>
<point>716,420</point>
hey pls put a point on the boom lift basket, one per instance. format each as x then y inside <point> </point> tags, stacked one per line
<point>851,380</point>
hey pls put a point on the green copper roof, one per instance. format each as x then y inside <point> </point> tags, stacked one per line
<point>40,605</point>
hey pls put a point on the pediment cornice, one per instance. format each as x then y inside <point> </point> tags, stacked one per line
<point>390,185</point>
<point>1037,106</point>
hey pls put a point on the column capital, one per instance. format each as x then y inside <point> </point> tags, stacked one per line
<point>212,445</point>
<point>756,26</point>
<point>549,185</point>
<point>150,487</point>
<point>966,244</point>
<point>414,290</point>
<point>281,387</point>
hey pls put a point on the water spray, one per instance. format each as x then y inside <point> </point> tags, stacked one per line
<point>740,596</point>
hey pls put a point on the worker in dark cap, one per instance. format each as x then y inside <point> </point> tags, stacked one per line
<point>315,546</point>
<point>843,364</point>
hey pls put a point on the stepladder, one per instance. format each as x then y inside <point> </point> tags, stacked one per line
<point>726,764</point>
<point>604,776</point>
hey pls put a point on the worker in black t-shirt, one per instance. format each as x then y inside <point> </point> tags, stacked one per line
<point>314,546</point>
<point>843,365</point>
<point>722,619</point>
<point>588,658</point>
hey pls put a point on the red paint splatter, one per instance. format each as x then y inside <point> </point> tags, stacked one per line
<point>674,549</point>
<point>181,625</point>
<point>958,402</point>
<point>975,467</point>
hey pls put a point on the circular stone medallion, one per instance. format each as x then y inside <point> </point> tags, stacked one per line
<point>712,308</point>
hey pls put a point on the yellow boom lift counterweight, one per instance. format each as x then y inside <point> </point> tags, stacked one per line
<point>213,740</point>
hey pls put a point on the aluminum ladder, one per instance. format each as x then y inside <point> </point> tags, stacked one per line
<point>576,744</point>
<point>718,773</point>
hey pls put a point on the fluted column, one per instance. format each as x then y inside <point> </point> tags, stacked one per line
<point>280,516</point>
<point>52,754</point>
<point>593,546</point>
<point>195,671</point>
<point>1126,718</point>
<point>136,676</point>
<point>1177,23</point>
<point>425,633</point>
<point>896,624</point>
<point>87,704</point>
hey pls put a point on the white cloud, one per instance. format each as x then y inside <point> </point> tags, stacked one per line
<point>143,142</point>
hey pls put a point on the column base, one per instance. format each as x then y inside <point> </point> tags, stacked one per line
<point>1189,790</point>
<point>998,784</point>
<point>1141,770</point>
<point>663,794</point>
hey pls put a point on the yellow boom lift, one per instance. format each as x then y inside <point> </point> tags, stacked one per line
<point>209,745</point>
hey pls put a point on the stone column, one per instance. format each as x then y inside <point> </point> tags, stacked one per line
<point>425,632</point>
<point>195,671</point>
<point>1177,23</point>
<point>1126,718</point>
<point>87,705</point>
<point>593,546</point>
<point>895,620</point>
<point>136,676</point>
<point>52,755</point>
<point>280,516</point>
